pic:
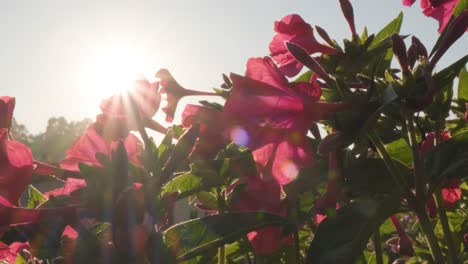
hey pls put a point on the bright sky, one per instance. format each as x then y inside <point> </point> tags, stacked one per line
<point>61,57</point>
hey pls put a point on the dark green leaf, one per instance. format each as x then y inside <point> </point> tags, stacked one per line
<point>371,177</point>
<point>197,180</point>
<point>449,159</point>
<point>448,74</point>
<point>192,238</point>
<point>342,239</point>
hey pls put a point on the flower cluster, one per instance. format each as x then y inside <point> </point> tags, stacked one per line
<point>258,165</point>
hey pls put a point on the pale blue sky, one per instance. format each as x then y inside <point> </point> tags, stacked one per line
<point>49,49</point>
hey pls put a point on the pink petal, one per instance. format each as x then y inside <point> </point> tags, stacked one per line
<point>408,2</point>
<point>85,148</point>
<point>10,252</point>
<point>71,185</point>
<point>441,13</point>
<point>7,105</point>
<point>16,167</point>
<point>293,28</point>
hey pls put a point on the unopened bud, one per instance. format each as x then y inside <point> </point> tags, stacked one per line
<point>348,13</point>
<point>399,49</point>
<point>7,105</point>
<point>324,35</point>
<point>420,48</point>
<point>181,150</point>
<point>303,57</point>
<point>405,246</point>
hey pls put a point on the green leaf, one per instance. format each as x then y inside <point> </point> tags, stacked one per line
<point>197,180</point>
<point>460,7</point>
<point>343,238</point>
<point>391,28</point>
<point>449,159</point>
<point>448,74</point>
<point>364,35</point>
<point>400,150</point>
<point>371,177</point>
<point>19,260</point>
<point>305,77</point>
<point>35,197</point>
<point>194,237</point>
<point>382,60</point>
<point>463,85</point>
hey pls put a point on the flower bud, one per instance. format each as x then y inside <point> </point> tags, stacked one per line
<point>324,35</point>
<point>348,13</point>
<point>405,246</point>
<point>303,57</point>
<point>7,105</point>
<point>399,49</point>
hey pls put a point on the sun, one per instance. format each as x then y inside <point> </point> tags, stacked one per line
<point>113,71</point>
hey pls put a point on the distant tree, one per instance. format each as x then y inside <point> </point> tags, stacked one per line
<point>20,133</point>
<point>51,145</point>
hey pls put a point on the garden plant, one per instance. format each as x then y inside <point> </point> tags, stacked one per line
<point>321,152</point>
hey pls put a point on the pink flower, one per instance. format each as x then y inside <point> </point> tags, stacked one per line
<point>85,148</point>
<point>293,28</point>
<point>71,187</point>
<point>13,216</point>
<point>212,126</point>
<point>441,10</point>
<point>174,92</point>
<point>7,105</point>
<point>16,166</point>
<point>274,117</point>
<point>429,142</point>
<point>9,253</point>
<point>451,193</point>
<point>117,118</point>
<point>260,195</point>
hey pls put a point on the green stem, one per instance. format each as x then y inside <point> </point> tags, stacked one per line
<point>297,249</point>
<point>378,247</point>
<point>448,237</point>
<point>221,255</point>
<point>429,233</point>
<point>417,162</point>
<point>399,180</point>
<point>452,251</point>
<point>221,210</point>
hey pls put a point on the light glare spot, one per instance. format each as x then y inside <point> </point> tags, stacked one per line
<point>239,136</point>
<point>289,169</point>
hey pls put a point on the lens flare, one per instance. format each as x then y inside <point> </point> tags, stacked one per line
<point>289,169</point>
<point>239,136</point>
